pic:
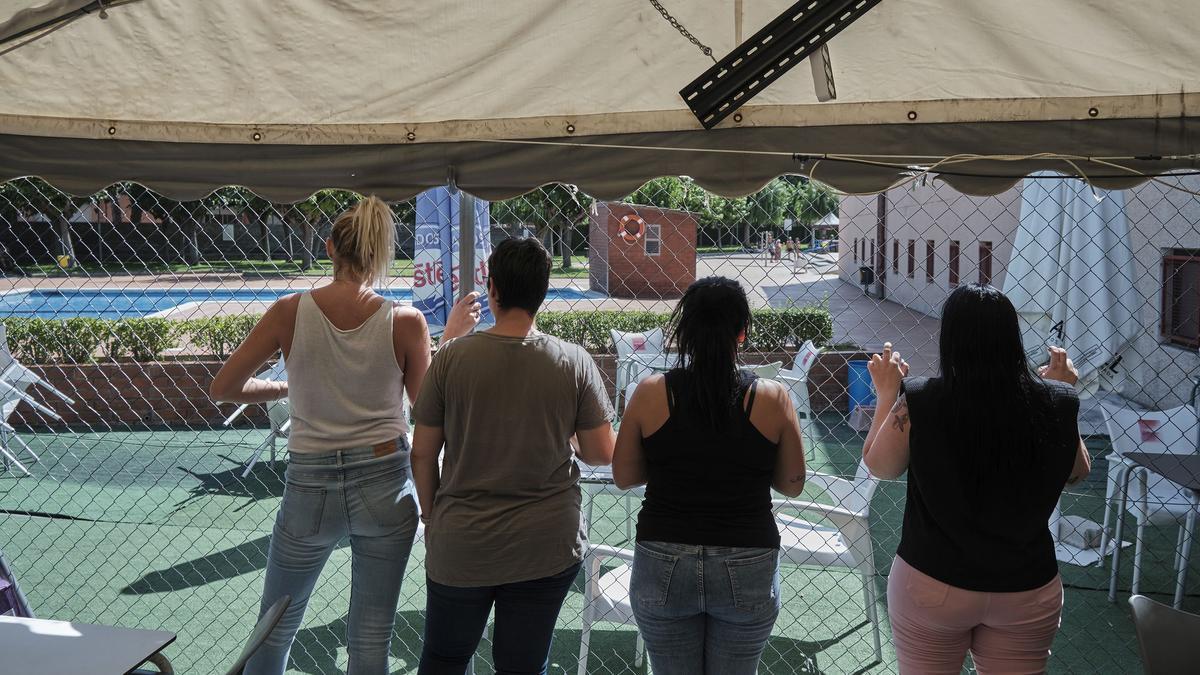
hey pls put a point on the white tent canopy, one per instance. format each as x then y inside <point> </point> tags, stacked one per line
<point>391,96</point>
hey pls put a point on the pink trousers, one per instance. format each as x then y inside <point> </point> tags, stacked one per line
<point>934,625</point>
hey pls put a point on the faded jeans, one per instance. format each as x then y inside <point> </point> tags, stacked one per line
<point>704,610</point>
<point>328,497</point>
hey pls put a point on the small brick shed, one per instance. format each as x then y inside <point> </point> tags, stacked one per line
<point>659,264</point>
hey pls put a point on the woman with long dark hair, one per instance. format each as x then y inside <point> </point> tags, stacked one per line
<point>709,441</point>
<point>989,446</point>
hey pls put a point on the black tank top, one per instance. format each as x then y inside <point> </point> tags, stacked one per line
<point>708,488</point>
<point>984,530</point>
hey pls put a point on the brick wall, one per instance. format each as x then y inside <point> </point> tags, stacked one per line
<point>132,396</point>
<point>625,270</point>
<point>128,396</point>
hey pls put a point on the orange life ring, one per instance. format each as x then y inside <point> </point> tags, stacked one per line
<point>639,230</point>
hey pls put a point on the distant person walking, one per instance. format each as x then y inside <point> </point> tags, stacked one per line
<point>708,441</point>
<point>350,356</point>
<point>989,447</point>
<point>512,408</point>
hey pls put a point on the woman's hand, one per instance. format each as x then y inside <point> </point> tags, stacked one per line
<point>887,371</point>
<point>463,316</point>
<point>1060,367</point>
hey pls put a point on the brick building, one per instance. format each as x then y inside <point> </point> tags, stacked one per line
<point>641,252</point>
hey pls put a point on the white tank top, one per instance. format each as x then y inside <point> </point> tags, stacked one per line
<point>345,389</point>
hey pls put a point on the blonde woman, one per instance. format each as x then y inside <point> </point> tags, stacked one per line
<point>351,356</point>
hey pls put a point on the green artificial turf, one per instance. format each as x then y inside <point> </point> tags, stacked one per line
<point>158,530</point>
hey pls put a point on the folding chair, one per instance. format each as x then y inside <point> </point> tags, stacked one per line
<point>606,598</point>
<point>845,542</point>
<point>1155,501</point>
<point>278,415</point>
<point>796,379</point>
<point>16,374</point>
<point>637,353</point>
<point>12,396</point>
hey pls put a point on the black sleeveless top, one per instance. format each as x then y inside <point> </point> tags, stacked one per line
<point>705,488</point>
<point>984,530</point>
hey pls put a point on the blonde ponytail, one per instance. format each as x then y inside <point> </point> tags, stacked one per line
<point>365,240</point>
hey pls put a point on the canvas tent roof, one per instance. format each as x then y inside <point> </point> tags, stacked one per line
<point>389,96</point>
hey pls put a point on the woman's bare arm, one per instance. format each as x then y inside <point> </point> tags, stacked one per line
<point>790,470</point>
<point>629,459</point>
<point>235,382</point>
<point>410,335</point>
<point>1083,464</point>
<point>886,451</point>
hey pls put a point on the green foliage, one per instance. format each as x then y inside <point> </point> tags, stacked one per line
<point>771,330</point>
<point>145,339</point>
<point>779,329</point>
<point>220,335</point>
<point>591,329</point>
<point>30,340</point>
<point>77,338</point>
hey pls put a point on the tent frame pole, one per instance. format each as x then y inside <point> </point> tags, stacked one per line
<point>466,244</point>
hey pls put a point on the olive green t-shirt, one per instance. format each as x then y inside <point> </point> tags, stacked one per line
<point>508,507</point>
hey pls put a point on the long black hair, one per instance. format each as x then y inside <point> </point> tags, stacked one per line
<point>705,326</point>
<point>993,401</point>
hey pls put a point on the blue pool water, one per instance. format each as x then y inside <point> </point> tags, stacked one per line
<point>117,304</point>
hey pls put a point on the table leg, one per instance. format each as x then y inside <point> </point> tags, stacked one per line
<point>1186,550</point>
<point>1123,486</point>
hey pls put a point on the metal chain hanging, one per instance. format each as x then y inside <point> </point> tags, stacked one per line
<point>704,49</point>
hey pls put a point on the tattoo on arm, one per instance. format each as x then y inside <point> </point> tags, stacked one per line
<point>798,478</point>
<point>900,414</point>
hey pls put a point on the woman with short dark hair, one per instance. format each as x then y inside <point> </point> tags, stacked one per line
<point>989,446</point>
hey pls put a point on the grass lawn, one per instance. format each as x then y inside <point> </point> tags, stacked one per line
<point>158,530</point>
<point>258,268</point>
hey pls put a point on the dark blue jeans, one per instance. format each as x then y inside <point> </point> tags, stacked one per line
<point>525,616</point>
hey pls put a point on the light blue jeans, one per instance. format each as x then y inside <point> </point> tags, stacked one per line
<point>704,610</point>
<point>326,498</point>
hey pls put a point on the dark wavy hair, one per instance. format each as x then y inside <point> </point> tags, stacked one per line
<point>705,327</point>
<point>993,401</point>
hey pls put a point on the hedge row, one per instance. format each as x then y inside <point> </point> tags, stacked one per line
<point>83,340</point>
<point>770,330</point>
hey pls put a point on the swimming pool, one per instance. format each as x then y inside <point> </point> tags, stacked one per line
<point>136,302</point>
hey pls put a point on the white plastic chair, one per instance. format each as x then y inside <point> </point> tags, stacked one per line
<point>767,371</point>
<point>845,542</point>
<point>278,415</point>
<point>15,381</point>
<point>606,597</point>
<point>12,396</point>
<point>796,380</point>
<point>649,346</point>
<point>1154,500</point>
<point>16,374</point>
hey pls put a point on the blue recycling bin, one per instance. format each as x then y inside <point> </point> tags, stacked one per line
<point>860,388</point>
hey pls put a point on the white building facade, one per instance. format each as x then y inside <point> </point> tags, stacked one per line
<point>935,238</point>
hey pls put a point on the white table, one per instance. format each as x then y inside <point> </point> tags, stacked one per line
<point>49,647</point>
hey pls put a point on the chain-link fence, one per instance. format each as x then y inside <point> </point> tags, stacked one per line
<point>130,498</point>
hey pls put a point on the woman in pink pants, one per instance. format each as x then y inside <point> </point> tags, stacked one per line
<point>988,446</point>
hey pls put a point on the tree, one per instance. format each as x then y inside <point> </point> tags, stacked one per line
<point>322,206</point>
<point>34,197</point>
<point>556,209</point>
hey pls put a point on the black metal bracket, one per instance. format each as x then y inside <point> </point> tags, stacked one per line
<point>782,44</point>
